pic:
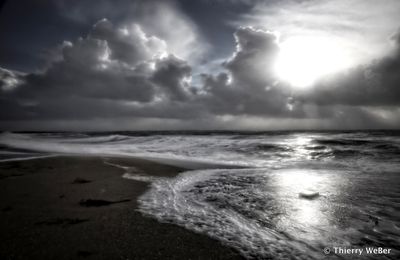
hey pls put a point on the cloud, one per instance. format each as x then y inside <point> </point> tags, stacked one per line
<point>128,44</point>
<point>360,26</point>
<point>106,74</point>
<point>124,75</point>
<point>163,19</point>
<point>373,84</point>
<point>249,86</point>
<point>124,70</point>
<point>9,79</point>
<point>173,74</point>
<point>254,58</point>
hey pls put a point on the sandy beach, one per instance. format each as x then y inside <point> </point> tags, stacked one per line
<point>79,207</point>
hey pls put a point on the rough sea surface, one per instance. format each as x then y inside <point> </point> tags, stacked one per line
<point>278,195</point>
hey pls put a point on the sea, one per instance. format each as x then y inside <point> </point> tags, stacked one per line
<point>269,195</point>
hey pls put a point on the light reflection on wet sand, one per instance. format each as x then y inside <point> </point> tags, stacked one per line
<point>260,212</point>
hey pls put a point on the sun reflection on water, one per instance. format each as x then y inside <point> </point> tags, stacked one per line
<point>303,194</point>
<point>299,144</point>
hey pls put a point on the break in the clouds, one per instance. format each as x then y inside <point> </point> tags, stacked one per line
<point>157,65</point>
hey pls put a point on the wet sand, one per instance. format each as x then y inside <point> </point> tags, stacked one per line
<point>79,207</point>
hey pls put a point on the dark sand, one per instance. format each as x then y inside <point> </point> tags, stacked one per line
<point>79,207</point>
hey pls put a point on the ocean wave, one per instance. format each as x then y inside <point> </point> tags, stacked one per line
<point>260,213</point>
<point>343,142</point>
<point>229,150</point>
<point>99,139</point>
<point>272,148</point>
<point>12,158</point>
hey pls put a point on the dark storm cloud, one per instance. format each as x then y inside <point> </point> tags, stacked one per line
<point>249,86</point>
<point>173,74</point>
<point>30,29</point>
<point>255,55</point>
<point>91,78</point>
<point>164,19</point>
<point>128,45</point>
<point>138,72</point>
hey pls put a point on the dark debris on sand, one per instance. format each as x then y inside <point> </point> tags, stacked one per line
<point>309,196</point>
<point>10,176</point>
<point>84,253</point>
<point>79,180</point>
<point>100,203</point>
<point>7,208</point>
<point>63,222</point>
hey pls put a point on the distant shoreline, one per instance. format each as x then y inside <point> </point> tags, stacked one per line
<point>202,132</point>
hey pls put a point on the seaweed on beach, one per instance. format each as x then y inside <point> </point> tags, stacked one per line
<point>79,180</point>
<point>63,222</point>
<point>100,203</point>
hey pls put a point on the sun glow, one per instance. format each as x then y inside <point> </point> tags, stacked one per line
<point>302,60</point>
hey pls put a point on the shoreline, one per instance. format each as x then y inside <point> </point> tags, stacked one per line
<point>69,207</point>
<point>182,163</point>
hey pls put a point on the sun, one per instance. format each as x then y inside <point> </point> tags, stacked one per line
<point>303,60</point>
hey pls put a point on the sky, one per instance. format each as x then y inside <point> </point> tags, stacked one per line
<point>69,65</point>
